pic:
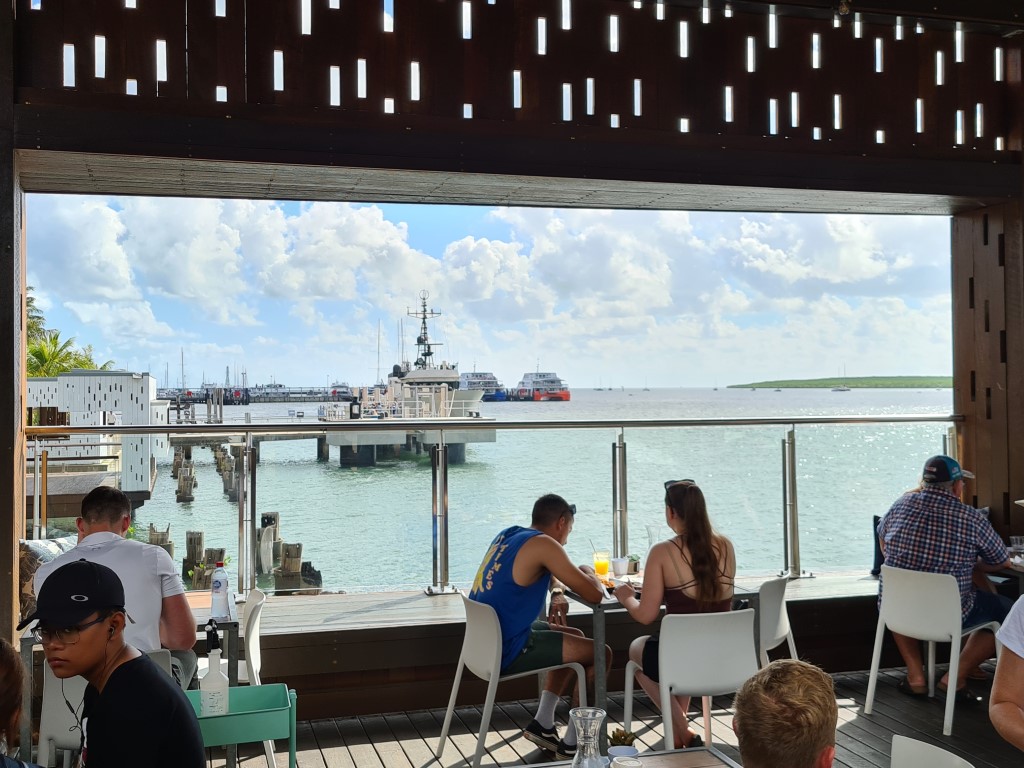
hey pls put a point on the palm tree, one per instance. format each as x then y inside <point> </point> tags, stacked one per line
<point>35,323</point>
<point>84,359</point>
<point>49,356</point>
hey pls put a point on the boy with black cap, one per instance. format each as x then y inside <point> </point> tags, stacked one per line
<point>133,712</point>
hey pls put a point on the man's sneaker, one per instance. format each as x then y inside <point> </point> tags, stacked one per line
<point>564,751</point>
<point>542,737</point>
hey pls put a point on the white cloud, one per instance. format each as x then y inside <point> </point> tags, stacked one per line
<point>693,297</point>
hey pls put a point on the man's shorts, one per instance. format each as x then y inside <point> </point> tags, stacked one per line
<point>543,649</point>
<point>988,607</point>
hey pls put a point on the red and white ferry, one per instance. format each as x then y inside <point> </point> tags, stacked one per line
<point>541,385</point>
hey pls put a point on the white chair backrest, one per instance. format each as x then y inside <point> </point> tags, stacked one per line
<point>911,753</point>
<point>772,614</point>
<point>162,658</point>
<point>707,654</point>
<point>57,726</point>
<point>921,605</point>
<point>481,650</point>
<point>254,602</point>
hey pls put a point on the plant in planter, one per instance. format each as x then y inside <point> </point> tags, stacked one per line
<point>621,738</point>
<point>634,564</point>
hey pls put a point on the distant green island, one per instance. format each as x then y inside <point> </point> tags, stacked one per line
<point>862,382</point>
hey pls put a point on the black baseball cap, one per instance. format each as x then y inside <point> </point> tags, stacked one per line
<point>74,592</point>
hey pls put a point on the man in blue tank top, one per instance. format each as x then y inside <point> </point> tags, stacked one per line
<point>520,566</point>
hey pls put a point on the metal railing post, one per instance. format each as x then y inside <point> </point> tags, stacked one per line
<point>251,448</point>
<point>35,488</point>
<point>793,508</point>
<point>620,499</point>
<point>785,506</point>
<point>439,517</point>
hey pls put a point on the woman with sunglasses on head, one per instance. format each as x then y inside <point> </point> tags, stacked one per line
<point>692,572</point>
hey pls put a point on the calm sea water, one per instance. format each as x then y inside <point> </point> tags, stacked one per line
<point>370,528</point>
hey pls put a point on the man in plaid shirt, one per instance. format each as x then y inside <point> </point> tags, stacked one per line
<point>930,529</point>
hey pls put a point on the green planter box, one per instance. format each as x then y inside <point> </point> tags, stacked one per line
<point>255,713</point>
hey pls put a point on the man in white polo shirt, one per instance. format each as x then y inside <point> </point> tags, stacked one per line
<point>154,592</point>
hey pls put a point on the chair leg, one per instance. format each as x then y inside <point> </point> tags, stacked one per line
<point>792,645</point>
<point>268,750</point>
<point>954,668</point>
<point>627,705</point>
<point>581,682</point>
<point>931,669</point>
<point>876,657</point>
<point>763,662</point>
<point>485,721</point>
<point>705,704</point>
<point>666,714</point>
<point>451,710</point>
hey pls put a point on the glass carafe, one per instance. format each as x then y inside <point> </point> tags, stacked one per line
<point>588,722</point>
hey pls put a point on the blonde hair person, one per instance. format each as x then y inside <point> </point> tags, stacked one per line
<point>786,717</point>
<point>692,572</point>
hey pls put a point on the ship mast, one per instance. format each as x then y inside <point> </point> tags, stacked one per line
<point>424,348</point>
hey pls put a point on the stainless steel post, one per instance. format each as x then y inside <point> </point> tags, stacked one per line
<point>439,516</point>
<point>243,543</point>
<point>253,526</point>
<point>785,505</point>
<point>794,509</point>
<point>35,488</point>
<point>622,535</point>
<point>615,497</point>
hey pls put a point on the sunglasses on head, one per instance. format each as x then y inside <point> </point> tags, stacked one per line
<point>670,483</point>
<point>572,508</point>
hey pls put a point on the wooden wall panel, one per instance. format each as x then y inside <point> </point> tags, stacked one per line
<point>237,52</point>
<point>988,357</point>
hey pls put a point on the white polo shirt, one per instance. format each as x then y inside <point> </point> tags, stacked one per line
<point>1011,633</point>
<point>146,571</point>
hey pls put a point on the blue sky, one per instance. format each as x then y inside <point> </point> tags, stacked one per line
<point>295,292</point>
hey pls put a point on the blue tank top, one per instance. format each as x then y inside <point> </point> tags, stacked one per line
<point>517,607</point>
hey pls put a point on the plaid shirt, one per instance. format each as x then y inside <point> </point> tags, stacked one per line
<point>931,530</point>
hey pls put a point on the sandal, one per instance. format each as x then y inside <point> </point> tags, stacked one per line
<point>904,687</point>
<point>978,674</point>
<point>963,695</point>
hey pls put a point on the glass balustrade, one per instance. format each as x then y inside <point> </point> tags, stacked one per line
<point>369,528</point>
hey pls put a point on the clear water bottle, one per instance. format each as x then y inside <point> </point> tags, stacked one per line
<point>220,588</point>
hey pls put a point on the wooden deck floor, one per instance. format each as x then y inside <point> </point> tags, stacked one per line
<point>408,739</point>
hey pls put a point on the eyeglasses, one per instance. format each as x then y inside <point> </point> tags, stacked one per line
<point>670,483</point>
<point>572,508</point>
<point>67,636</point>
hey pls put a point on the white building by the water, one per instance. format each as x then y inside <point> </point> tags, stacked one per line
<point>111,398</point>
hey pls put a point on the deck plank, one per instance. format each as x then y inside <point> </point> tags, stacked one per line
<point>408,740</point>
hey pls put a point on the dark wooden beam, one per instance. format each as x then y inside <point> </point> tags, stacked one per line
<point>12,359</point>
<point>414,159</point>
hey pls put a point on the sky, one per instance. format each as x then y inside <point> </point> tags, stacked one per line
<point>304,294</point>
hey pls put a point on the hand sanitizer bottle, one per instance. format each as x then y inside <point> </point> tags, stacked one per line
<point>213,687</point>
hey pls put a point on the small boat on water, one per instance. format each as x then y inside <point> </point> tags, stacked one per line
<point>341,391</point>
<point>540,386</point>
<point>494,390</point>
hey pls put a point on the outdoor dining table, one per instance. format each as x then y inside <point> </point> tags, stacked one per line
<point>609,603</point>
<point>199,602</point>
<point>695,757</point>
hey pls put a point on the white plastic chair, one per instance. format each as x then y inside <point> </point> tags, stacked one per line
<point>925,606</point>
<point>57,727</point>
<point>911,753</point>
<point>773,618</point>
<point>251,616</point>
<point>699,654</point>
<point>481,654</point>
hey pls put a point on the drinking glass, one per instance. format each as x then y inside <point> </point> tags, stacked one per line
<point>601,558</point>
<point>620,566</point>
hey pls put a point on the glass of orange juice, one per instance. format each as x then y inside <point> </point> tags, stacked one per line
<point>601,559</point>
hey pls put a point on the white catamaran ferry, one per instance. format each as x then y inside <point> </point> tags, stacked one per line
<point>494,390</point>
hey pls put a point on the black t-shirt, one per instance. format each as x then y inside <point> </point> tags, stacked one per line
<point>142,717</point>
